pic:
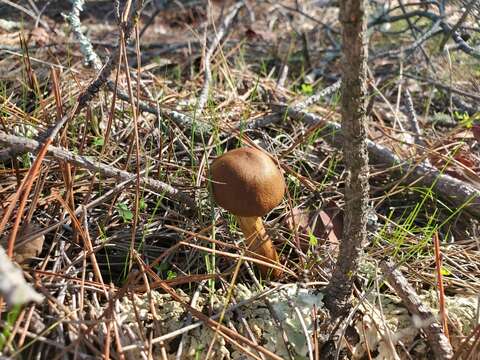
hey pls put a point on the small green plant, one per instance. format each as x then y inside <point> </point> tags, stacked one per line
<point>12,316</point>
<point>142,204</point>
<point>98,141</point>
<point>445,271</point>
<point>163,269</point>
<point>124,212</point>
<point>177,73</point>
<point>26,162</point>
<point>198,353</point>
<point>263,68</point>
<point>466,120</point>
<point>312,239</point>
<point>306,89</point>
<point>254,96</point>
<point>171,275</point>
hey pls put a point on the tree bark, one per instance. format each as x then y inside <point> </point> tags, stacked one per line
<point>354,104</point>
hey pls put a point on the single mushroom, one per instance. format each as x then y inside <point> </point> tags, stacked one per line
<point>248,183</point>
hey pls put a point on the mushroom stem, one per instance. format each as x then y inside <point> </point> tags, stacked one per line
<point>259,241</point>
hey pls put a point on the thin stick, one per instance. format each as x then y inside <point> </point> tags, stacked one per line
<point>25,144</point>
<point>439,343</point>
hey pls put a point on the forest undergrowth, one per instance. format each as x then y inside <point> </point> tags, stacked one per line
<point>110,116</point>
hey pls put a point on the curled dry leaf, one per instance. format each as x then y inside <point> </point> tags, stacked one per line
<point>40,36</point>
<point>27,244</point>
<point>476,131</point>
<point>326,225</point>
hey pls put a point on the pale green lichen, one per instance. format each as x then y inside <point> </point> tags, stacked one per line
<point>170,316</point>
<point>384,326</point>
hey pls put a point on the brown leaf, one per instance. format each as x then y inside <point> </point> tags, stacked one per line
<point>39,36</point>
<point>324,224</point>
<point>297,220</point>
<point>252,35</point>
<point>465,159</point>
<point>336,214</point>
<point>476,131</point>
<point>27,245</point>
<point>328,227</point>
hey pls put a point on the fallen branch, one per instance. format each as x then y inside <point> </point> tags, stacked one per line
<point>21,144</point>
<point>445,27</point>
<point>455,191</point>
<point>438,341</point>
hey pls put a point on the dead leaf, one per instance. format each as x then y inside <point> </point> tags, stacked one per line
<point>465,159</point>
<point>27,245</point>
<point>476,131</point>
<point>326,224</point>
<point>297,220</point>
<point>252,35</point>
<point>39,36</point>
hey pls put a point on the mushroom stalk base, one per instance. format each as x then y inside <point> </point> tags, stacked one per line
<point>258,240</point>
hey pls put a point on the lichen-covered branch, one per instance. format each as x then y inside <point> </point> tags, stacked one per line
<point>439,343</point>
<point>17,143</point>
<point>91,58</point>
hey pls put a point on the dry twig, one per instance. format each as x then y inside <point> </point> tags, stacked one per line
<point>438,341</point>
<point>19,144</point>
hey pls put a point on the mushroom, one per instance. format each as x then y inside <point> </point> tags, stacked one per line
<point>248,184</point>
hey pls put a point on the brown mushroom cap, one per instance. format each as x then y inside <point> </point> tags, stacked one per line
<point>247,182</point>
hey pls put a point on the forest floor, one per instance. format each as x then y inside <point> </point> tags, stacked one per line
<point>112,220</point>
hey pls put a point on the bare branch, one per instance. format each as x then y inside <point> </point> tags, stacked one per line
<point>24,144</point>
<point>438,341</point>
